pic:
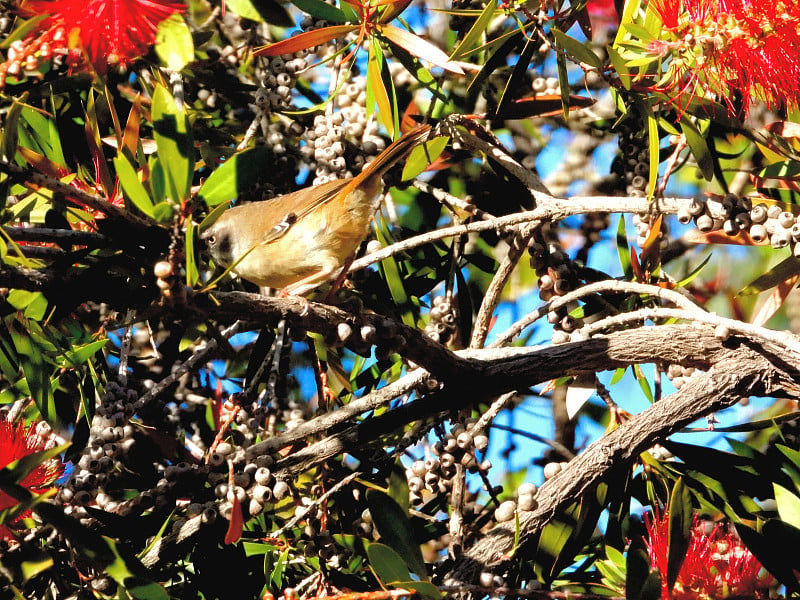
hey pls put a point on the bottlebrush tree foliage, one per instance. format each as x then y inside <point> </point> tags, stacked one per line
<point>562,363</point>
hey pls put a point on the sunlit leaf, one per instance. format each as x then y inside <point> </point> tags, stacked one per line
<point>174,44</point>
<point>699,148</point>
<point>173,137</point>
<point>474,36</point>
<point>387,564</point>
<point>783,271</point>
<point>578,393</point>
<point>305,40</point>
<point>260,11</point>
<point>788,504</point>
<point>577,50</point>
<point>321,10</point>
<point>419,47</point>
<point>653,146</point>
<point>422,156</point>
<point>132,188</point>
<point>377,96</point>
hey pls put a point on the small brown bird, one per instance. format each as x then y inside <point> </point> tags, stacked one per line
<point>297,241</point>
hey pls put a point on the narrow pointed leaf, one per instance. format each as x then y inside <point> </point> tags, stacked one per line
<point>306,40</point>
<point>423,155</point>
<point>788,505</point>
<point>321,10</point>
<point>377,95</point>
<point>132,188</point>
<point>577,50</point>
<point>174,44</point>
<point>475,34</point>
<point>419,47</point>
<point>173,137</point>
<point>395,530</point>
<point>680,529</point>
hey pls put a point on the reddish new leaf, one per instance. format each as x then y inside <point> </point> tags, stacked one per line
<point>542,105</point>
<point>775,300</point>
<point>306,40</point>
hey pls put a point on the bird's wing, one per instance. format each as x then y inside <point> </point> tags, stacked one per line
<point>300,204</point>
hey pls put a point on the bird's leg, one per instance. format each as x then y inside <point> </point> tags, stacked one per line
<point>337,283</point>
<point>308,283</point>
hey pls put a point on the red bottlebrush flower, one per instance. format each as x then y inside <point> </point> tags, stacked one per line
<point>110,31</point>
<point>716,565</point>
<point>17,441</point>
<point>723,47</point>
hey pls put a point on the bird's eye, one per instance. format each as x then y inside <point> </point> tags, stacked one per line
<point>211,240</point>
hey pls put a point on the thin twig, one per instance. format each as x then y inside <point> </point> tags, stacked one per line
<point>492,297</point>
<point>550,210</point>
<point>599,287</point>
<point>199,355</point>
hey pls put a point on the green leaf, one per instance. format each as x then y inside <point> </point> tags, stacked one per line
<point>129,573</point>
<point>192,270</point>
<point>785,269</point>
<point>695,272</point>
<point>377,96</point>
<point>174,45</point>
<point>424,589</point>
<point>623,250</point>
<point>33,304</point>
<point>422,156</point>
<point>577,50</point>
<point>33,365</point>
<point>619,66</point>
<point>637,572</point>
<point>653,147</point>
<point>391,273</point>
<point>30,568</point>
<point>770,548</point>
<point>395,530</point>
<point>321,10</point>
<point>788,505</point>
<point>132,188</point>
<point>637,31</point>
<point>563,81</point>
<point>643,383</point>
<point>474,36</point>
<point>398,487</point>
<point>681,514</point>
<point>240,173</point>
<point>699,147</point>
<point>387,564</point>
<point>80,354</point>
<point>260,11</point>
<point>173,138</point>
<point>11,128</point>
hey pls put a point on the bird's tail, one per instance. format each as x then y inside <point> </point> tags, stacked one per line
<point>394,152</point>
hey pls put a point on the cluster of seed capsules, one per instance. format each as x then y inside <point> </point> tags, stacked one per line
<point>678,374</point>
<point>763,223</point>
<point>632,164</point>
<point>340,143</point>
<point>558,275</point>
<point>442,319</point>
<point>280,77</point>
<point>111,439</point>
<point>435,474</point>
